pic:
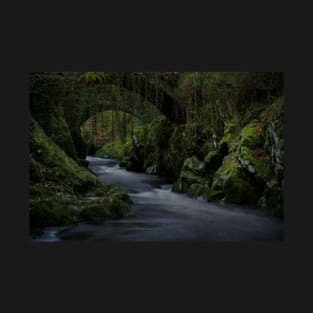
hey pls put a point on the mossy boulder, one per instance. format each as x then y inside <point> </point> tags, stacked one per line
<point>94,211</point>
<point>204,192</point>
<point>117,192</point>
<point>118,208</point>
<point>185,180</point>
<point>249,136</point>
<point>256,162</point>
<point>105,207</point>
<point>234,184</point>
<point>193,165</point>
<point>48,208</point>
<point>192,172</point>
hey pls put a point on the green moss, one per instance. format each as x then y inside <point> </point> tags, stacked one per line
<point>48,208</point>
<point>194,165</point>
<point>230,136</point>
<point>57,184</point>
<point>118,193</point>
<point>185,180</point>
<point>239,190</point>
<point>230,180</point>
<point>191,173</point>
<point>230,128</point>
<point>164,147</point>
<point>94,211</point>
<point>172,145</point>
<point>108,206</point>
<point>251,135</point>
<point>229,167</point>
<point>118,208</point>
<point>202,191</point>
<point>49,163</point>
<point>59,132</point>
<point>111,150</point>
<point>256,162</point>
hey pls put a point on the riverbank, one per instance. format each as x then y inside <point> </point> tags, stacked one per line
<point>158,214</point>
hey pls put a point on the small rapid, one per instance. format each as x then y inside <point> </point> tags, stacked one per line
<point>158,214</point>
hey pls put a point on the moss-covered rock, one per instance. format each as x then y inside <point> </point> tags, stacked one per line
<point>48,208</point>
<point>199,190</point>
<point>205,193</point>
<point>192,173</point>
<point>117,192</point>
<point>105,207</point>
<point>230,180</point>
<point>94,211</point>
<point>256,162</point>
<point>185,180</point>
<point>251,135</point>
<point>193,165</point>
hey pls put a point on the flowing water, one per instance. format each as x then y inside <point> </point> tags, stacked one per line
<point>158,214</point>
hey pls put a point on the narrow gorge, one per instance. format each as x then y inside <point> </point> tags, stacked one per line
<point>156,156</point>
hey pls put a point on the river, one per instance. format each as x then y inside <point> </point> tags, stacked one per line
<point>158,214</point>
